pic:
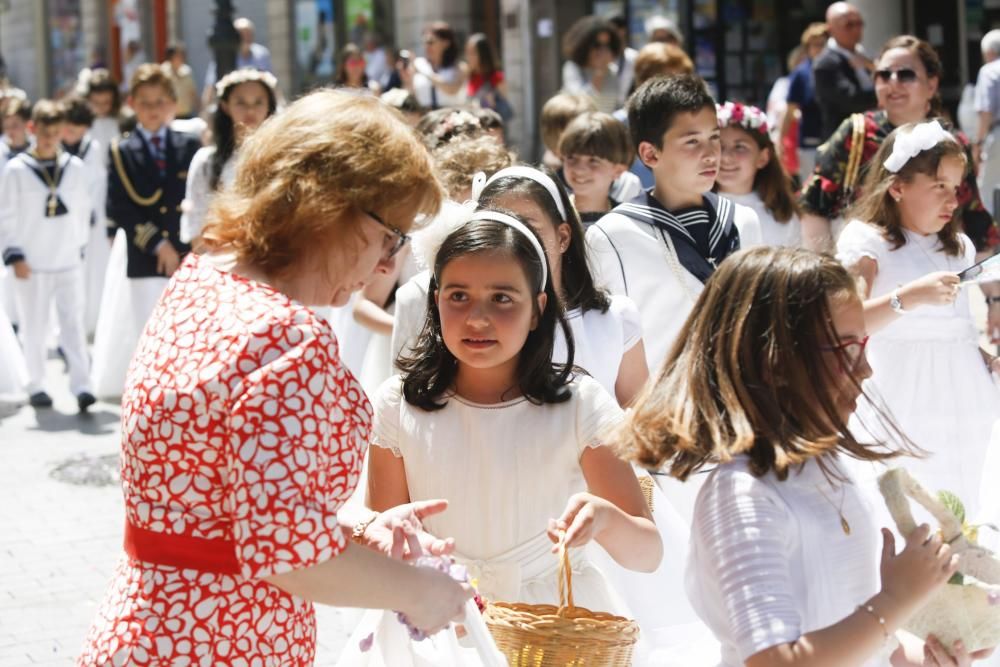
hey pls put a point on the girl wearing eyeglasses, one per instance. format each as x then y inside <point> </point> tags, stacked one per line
<point>906,249</point>
<point>907,76</point>
<point>784,556</point>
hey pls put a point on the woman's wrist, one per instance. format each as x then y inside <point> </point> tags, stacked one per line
<point>358,534</point>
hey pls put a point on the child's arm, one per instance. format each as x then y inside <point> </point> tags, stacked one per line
<point>613,512</point>
<point>386,480</point>
<point>11,244</point>
<point>938,288</point>
<point>632,374</point>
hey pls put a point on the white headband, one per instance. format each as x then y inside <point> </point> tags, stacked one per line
<point>479,183</point>
<point>910,144</point>
<point>517,225</point>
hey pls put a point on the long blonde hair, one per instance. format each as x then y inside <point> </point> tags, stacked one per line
<point>301,175</point>
<point>747,375</point>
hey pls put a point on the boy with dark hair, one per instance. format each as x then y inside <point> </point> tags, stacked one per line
<point>147,177</point>
<point>77,140</point>
<point>45,208</point>
<point>662,246</point>
<point>596,151</point>
<point>16,116</point>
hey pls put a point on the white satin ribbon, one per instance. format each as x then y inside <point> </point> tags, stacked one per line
<point>910,144</point>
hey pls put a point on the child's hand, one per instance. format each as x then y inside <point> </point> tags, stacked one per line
<point>581,521</point>
<point>935,289</point>
<point>21,270</point>
<point>167,259</point>
<point>936,654</point>
<point>910,577</point>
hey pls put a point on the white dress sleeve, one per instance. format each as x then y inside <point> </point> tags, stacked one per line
<point>743,527</point>
<point>626,310</point>
<point>408,315</point>
<point>748,224</point>
<point>968,249</point>
<point>387,404</point>
<point>597,413</point>
<point>605,261</point>
<point>857,240</point>
<point>198,194</point>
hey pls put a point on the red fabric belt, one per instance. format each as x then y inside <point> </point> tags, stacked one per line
<point>182,551</point>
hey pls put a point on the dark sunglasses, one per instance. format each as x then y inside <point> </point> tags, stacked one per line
<point>903,75</point>
<point>399,239</point>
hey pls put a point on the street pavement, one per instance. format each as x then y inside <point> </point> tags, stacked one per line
<point>59,542</point>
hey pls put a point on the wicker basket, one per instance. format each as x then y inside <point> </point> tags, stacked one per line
<point>646,486</point>
<point>967,611</point>
<point>543,635</point>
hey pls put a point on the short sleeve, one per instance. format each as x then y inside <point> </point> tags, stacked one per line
<point>857,240</point>
<point>292,463</point>
<point>743,528</point>
<point>388,401</point>
<point>597,413</point>
<point>985,84</point>
<point>968,249</point>
<point>631,320</point>
<point>823,193</point>
<point>748,225</point>
<point>198,194</point>
<point>605,261</point>
<point>408,316</point>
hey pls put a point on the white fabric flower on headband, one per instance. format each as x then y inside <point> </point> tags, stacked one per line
<point>742,115</point>
<point>428,239</point>
<point>910,144</point>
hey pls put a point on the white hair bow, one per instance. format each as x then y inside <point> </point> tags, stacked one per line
<point>910,144</point>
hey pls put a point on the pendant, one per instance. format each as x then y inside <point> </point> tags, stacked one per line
<point>53,204</point>
<point>846,527</point>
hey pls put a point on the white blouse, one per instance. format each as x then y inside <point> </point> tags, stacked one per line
<point>787,234</point>
<point>199,190</point>
<point>770,561</point>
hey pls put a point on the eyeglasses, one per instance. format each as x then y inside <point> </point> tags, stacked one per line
<point>853,350</point>
<point>903,75</point>
<point>394,243</point>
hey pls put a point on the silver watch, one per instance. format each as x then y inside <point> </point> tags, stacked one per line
<point>895,303</point>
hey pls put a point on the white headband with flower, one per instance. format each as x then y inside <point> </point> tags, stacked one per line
<point>743,115</point>
<point>908,145</point>
<point>244,75</point>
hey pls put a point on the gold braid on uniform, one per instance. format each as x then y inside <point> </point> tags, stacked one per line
<point>129,188</point>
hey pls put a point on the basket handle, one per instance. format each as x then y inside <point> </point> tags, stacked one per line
<point>565,575</point>
<point>898,487</point>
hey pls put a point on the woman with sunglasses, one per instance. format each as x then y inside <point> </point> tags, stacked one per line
<point>591,48</point>
<point>351,74</point>
<point>783,564</point>
<point>244,434</point>
<point>907,76</point>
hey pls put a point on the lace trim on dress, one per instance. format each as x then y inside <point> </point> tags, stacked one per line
<point>395,450</point>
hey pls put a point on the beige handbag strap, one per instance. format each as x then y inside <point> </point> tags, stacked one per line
<point>857,150</point>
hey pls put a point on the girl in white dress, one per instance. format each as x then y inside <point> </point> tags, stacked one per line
<point>482,417</point>
<point>247,97</point>
<point>13,372</point>
<point>905,249</point>
<point>783,556</point>
<point>750,173</point>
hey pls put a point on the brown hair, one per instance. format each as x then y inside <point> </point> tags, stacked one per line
<point>457,160</point>
<point>598,134</point>
<point>876,206</point>
<point>308,171</point>
<point>582,36</point>
<point>661,59</point>
<point>17,106</point>
<point>77,111</point>
<point>101,81</point>
<point>928,57</point>
<point>47,112</point>
<point>349,51</point>
<point>817,30</point>
<point>557,113</point>
<point>152,74</point>
<point>747,376</point>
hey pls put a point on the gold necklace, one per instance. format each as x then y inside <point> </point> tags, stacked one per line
<point>52,182</point>
<point>844,525</point>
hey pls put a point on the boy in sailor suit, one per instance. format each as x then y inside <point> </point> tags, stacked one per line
<point>147,176</point>
<point>45,207</point>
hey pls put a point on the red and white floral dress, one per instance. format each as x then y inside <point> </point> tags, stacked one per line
<point>242,435</point>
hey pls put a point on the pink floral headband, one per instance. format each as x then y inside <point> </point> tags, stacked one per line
<point>748,117</point>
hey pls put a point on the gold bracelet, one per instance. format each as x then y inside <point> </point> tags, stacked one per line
<point>359,529</point>
<point>881,621</point>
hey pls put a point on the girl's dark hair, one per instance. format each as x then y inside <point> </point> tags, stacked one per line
<point>736,383</point>
<point>877,207</point>
<point>445,32</point>
<point>487,56</point>
<point>101,81</point>
<point>578,288</point>
<point>582,36</point>
<point>225,135</point>
<point>77,111</point>
<point>349,51</point>
<point>429,371</point>
<point>771,182</point>
<point>928,57</point>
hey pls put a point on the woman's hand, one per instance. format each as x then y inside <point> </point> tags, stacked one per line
<point>436,601</point>
<point>581,521</point>
<point>935,289</point>
<point>935,654</point>
<point>399,530</point>
<point>911,576</point>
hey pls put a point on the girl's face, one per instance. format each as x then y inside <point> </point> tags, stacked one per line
<point>487,309</point>
<point>903,87</point>
<point>355,68</point>
<point>848,319</point>
<point>434,47</point>
<point>101,102</point>
<point>742,157</point>
<point>472,56</point>
<point>247,105</point>
<point>927,203</point>
<point>555,239</point>
<point>600,55</point>
<point>590,176</point>
<point>16,130</point>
